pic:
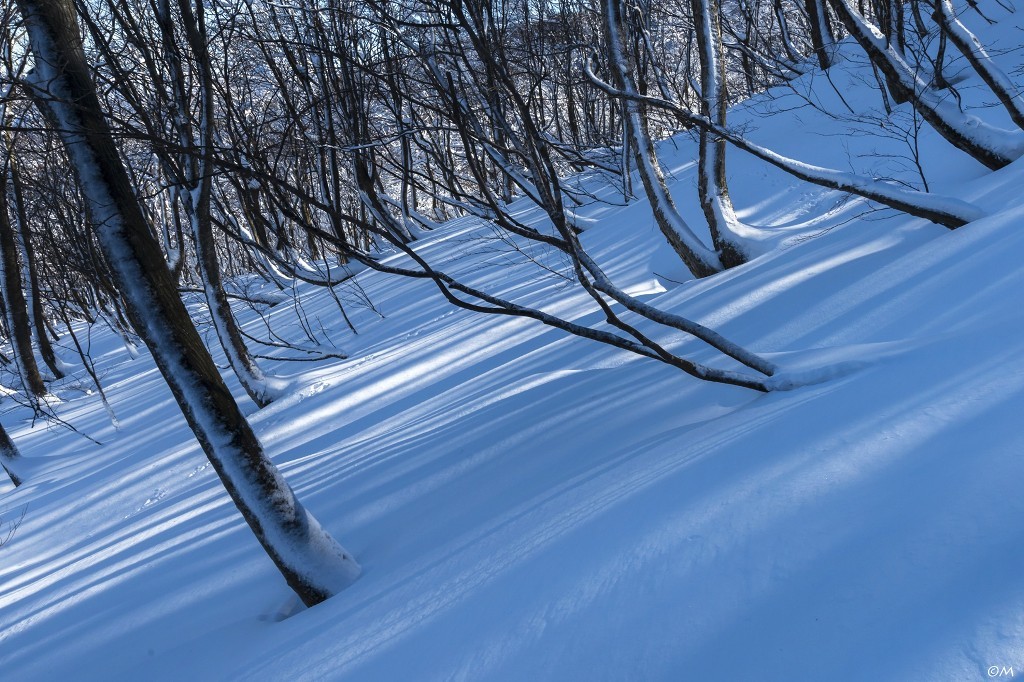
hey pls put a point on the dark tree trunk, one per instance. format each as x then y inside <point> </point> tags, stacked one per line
<point>822,38</point>
<point>18,319</point>
<point>35,295</point>
<point>9,457</point>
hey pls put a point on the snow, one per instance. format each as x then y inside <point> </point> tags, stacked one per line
<point>529,505</point>
<point>1004,145</point>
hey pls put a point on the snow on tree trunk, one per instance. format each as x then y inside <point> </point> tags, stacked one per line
<point>9,457</point>
<point>701,260</point>
<point>310,560</point>
<point>971,48</point>
<point>822,41</point>
<point>197,202</point>
<point>991,146</point>
<point>946,211</point>
<point>731,238</point>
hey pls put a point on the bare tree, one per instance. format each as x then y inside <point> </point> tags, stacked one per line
<point>31,281</point>
<point>197,191</point>
<point>945,211</point>
<point>728,234</point>
<point>701,260</point>
<point>312,563</point>
<point>15,304</point>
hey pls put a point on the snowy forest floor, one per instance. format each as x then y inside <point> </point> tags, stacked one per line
<point>531,506</point>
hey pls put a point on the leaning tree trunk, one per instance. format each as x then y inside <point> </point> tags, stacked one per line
<point>9,457</point>
<point>988,145</point>
<point>972,49</point>
<point>310,560</point>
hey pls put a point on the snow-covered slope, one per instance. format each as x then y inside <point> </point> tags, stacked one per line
<point>531,506</point>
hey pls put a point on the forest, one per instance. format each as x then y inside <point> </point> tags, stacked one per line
<point>511,339</point>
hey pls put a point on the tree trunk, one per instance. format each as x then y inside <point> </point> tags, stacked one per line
<point>822,39</point>
<point>310,560</point>
<point>711,182</point>
<point>990,146</point>
<point>34,297</point>
<point>197,199</point>
<point>18,320</point>
<point>970,47</point>
<point>701,260</point>
<point>9,457</point>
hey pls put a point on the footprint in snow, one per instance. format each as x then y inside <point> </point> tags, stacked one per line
<point>155,496</point>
